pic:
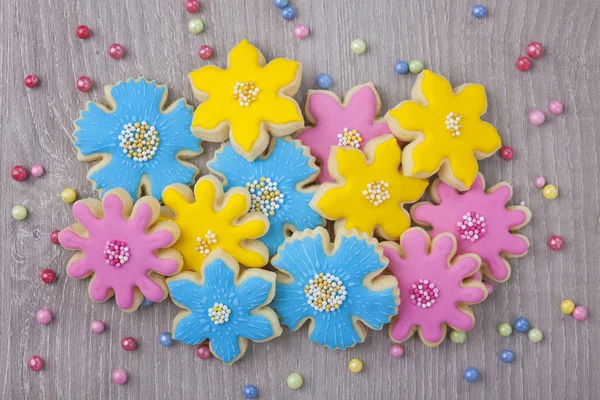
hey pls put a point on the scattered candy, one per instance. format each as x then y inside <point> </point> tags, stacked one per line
<point>84,84</point>
<point>165,339</point>
<point>556,107</point>
<point>31,81</point>
<point>83,32</point>
<point>280,3</point>
<point>128,344</point>
<point>416,66</point>
<point>521,325</point>
<point>18,173</point>
<point>534,50</point>
<point>205,52</point>
<point>580,313</point>
<point>396,351</point>
<point>471,374</point>
<point>489,287</point>
<point>19,213</point>
<point>37,170</point>
<point>540,182</point>
<point>458,337</point>
<point>567,306</point>
<point>44,316</point>
<point>550,192</point>
<point>48,276</point>
<point>288,12</point>
<point>54,237</point>
<point>537,117</point>
<point>355,365</point>
<point>192,6</point>
<point>301,31</point>
<point>479,11</point>
<point>523,64</point>
<point>68,195</point>
<point>507,153</point>
<point>507,356</point>
<point>35,363</point>
<point>324,81</point>
<point>401,67</point>
<point>196,25</point>
<point>535,335</point>
<point>116,51</point>
<point>97,326</point>
<point>203,352</point>
<point>358,46</point>
<point>146,303</point>
<point>119,377</point>
<point>294,380</point>
<point>556,242</point>
<point>250,392</point>
<point>504,329</point>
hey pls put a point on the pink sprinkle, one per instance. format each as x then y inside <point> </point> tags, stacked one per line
<point>397,351</point>
<point>119,376</point>
<point>540,182</point>
<point>423,293</point>
<point>97,326</point>
<point>116,253</point>
<point>556,107</point>
<point>44,316</point>
<point>471,226</point>
<point>537,117</point>
<point>37,170</point>
<point>301,31</point>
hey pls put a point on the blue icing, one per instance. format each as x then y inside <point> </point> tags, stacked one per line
<point>219,287</point>
<point>135,101</point>
<point>286,165</point>
<point>354,259</point>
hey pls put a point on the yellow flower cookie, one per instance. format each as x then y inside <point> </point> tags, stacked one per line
<point>247,100</point>
<point>445,129</point>
<point>369,189</point>
<point>210,219</point>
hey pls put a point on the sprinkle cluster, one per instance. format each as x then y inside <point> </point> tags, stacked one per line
<point>139,141</point>
<point>452,126</point>
<point>219,313</point>
<point>245,93</point>
<point>116,253</point>
<point>471,226</point>
<point>350,138</point>
<point>325,292</point>
<point>377,192</point>
<point>203,246</point>
<point>265,197</point>
<point>423,293</point>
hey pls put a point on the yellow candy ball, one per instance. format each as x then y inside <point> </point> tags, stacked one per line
<point>355,365</point>
<point>567,306</point>
<point>68,195</point>
<point>550,192</point>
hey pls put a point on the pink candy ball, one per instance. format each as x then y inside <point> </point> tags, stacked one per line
<point>84,84</point>
<point>203,352</point>
<point>556,107</point>
<point>116,51</point>
<point>119,376</point>
<point>97,326</point>
<point>301,31</point>
<point>537,117</point>
<point>396,351</point>
<point>37,170</point>
<point>556,242</point>
<point>489,287</point>
<point>35,363</point>
<point>44,316</point>
<point>540,182</point>
<point>580,313</point>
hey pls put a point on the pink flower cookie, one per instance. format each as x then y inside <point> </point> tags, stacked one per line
<point>480,221</point>
<point>351,123</point>
<point>434,289</point>
<point>122,248</point>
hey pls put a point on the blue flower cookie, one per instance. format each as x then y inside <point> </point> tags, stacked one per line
<point>223,306</point>
<point>277,186</point>
<point>140,144</point>
<point>334,285</point>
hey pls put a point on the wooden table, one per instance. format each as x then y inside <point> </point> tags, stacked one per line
<point>36,125</point>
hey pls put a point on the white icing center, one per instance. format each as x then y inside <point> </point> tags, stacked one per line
<point>452,123</point>
<point>325,292</point>
<point>219,313</point>
<point>349,138</point>
<point>203,244</point>
<point>265,196</point>
<point>377,192</point>
<point>139,141</point>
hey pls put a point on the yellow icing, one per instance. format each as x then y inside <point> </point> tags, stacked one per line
<point>422,121</point>
<point>208,210</point>
<point>276,81</point>
<point>353,170</point>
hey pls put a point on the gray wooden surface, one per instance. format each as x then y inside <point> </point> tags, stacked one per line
<point>37,36</point>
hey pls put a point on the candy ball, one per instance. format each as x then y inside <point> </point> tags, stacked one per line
<point>396,351</point>
<point>97,326</point>
<point>165,339</point>
<point>556,242</point>
<point>556,107</point>
<point>19,213</point>
<point>507,356</point>
<point>550,192</point>
<point>48,276</point>
<point>324,81</point>
<point>196,25</point>
<point>489,287</point>
<point>535,335</point>
<point>205,52</point>
<point>84,84</point>
<point>358,46</point>
<point>295,380</point>
<point>203,352</point>
<point>250,392</point>
<point>68,195</point>
<point>54,237</point>
<point>355,365</point>
<point>83,32</point>
<point>507,153</point>
<point>129,343</point>
<point>534,50</point>
<point>146,303</point>
<point>471,374</point>
<point>192,6</point>
<point>458,337</point>
<point>479,11</point>
<point>31,81</point>
<point>301,31</point>
<point>523,64</point>
<point>288,12</point>
<point>116,51</point>
<point>35,363</point>
<point>567,306</point>
<point>580,313</point>
<point>44,316</point>
<point>537,117</point>
<point>119,377</point>
<point>416,66</point>
<point>401,67</point>
<point>521,325</point>
<point>37,170</point>
<point>540,182</point>
<point>504,329</point>
<point>280,3</point>
<point>18,173</point>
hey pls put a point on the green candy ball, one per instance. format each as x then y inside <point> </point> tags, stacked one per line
<point>295,381</point>
<point>458,337</point>
<point>505,329</point>
<point>196,25</point>
<point>416,66</point>
<point>19,213</point>
<point>358,46</point>
<point>535,335</point>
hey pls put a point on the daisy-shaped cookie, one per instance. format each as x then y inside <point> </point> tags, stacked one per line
<point>223,306</point>
<point>277,186</point>
<point>434,289</point>
<point>351,123</point>
<point>247,101</point>
<point>337,287</point>
<point>139,143</point>
<point>122,248</point>
<point>210,219</point>
<point>369,189</point>
<point>481,222</point>
<point>445,129</point>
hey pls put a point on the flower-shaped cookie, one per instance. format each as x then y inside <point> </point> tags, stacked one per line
<point>481,222</point>
<point>434,289</point>
<point>277,186</point>
<point>247,101</point>
<point>139,142</point>
<point>210,219</point>
<point>349,124</point>
<point>445,129</point>
<point>369,191</point>
<point>223,306</point>
<point>336,286</point>
<point>124,251</point>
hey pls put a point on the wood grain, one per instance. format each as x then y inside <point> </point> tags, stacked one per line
<point>38,36</point>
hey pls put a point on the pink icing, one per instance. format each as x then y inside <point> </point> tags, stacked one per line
<point>358,112</point>
<point>142,259</point>
<point>418,263</point>
<point>497,238</point>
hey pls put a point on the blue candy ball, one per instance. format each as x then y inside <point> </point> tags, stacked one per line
<point>507,356</point>
<point>471,374</point>
<point>165,339</point>
<point>324,81</point>
<point>146,303</point>
<point>479,11</point>
<point>251,392</point>
<point>288,12</point>
<point>280,3</point>
<point>401,67</point>
<point>521,325</point>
